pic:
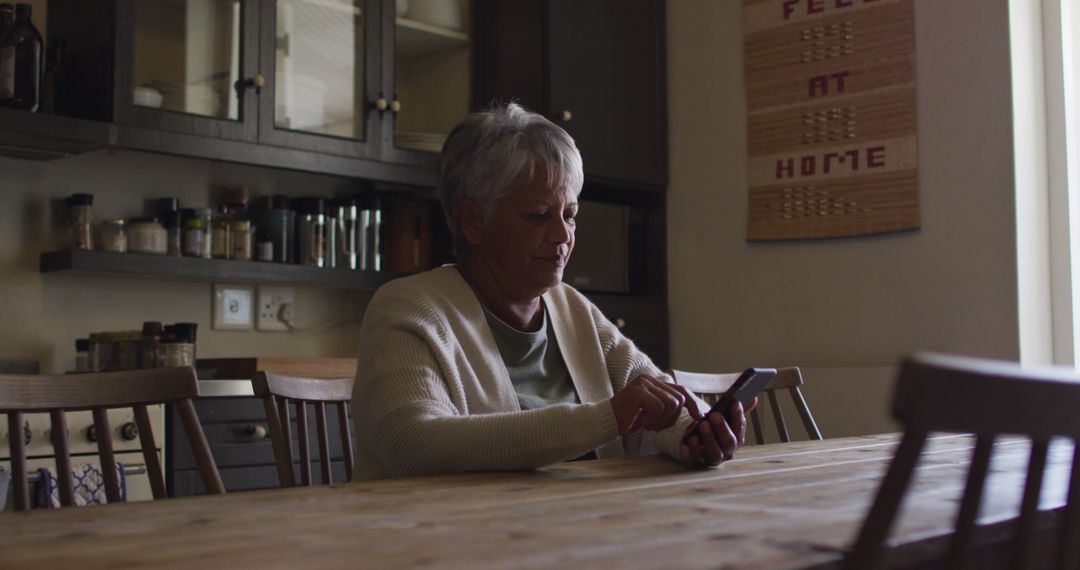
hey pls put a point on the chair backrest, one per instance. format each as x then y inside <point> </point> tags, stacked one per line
<point>987,398</point>
<point>98,392</point>
<point>711,386</point>
<point>276,390</point>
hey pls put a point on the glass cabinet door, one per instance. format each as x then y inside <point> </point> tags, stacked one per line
<point>187,56</point>
<point>320,75</point>
<point>431,73</point>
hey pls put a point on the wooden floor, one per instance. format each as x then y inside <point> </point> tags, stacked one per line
<point>775,506</point>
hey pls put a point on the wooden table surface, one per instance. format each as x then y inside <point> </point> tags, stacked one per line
<point>775,506</point>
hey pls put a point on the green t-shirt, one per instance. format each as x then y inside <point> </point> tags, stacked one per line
<point>535,364</point>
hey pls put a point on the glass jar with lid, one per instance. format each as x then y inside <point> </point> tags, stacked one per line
<point>147,235</point>
<point>242,240</point>
<point>114,236</point>
<point>80,211</point>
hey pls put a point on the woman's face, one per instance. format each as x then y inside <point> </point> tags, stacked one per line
<point>527,238</point>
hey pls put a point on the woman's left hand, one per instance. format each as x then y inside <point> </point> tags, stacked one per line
<point>716,440</point>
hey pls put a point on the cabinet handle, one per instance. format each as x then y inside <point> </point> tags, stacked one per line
<point>257,82</point>
<point>620,324</point>
<point>395,106</point>
<point>566,116</point>
<point>255,432</point>
<point>129,431</point>
<point>380,104</point>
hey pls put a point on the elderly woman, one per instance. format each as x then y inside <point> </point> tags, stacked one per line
<point>494,363</point>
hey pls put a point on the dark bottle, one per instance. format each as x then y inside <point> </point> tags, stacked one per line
<point>7,18</point>
<point>53,89</point>
<point>22,59</point>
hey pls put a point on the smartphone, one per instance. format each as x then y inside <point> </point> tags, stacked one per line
<point>749,384</point>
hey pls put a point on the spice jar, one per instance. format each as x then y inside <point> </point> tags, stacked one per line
<point>173,232</point>
<point>178,345</point>
<point>194,237</point>
<point>242,239</point>
<point>80,210</point>
<point>151,341</point>
<point>207,217</point>
<point>221,247</point>
<point>82,356</point>
<point>113,236</point>
<point>147,235</point>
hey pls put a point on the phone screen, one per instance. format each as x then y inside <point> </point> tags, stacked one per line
<point>749,384</point>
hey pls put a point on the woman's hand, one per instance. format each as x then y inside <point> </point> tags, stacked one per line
<point>716,440</point>
<point>652,404</point>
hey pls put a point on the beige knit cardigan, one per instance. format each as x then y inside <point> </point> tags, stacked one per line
<point>432,394</point>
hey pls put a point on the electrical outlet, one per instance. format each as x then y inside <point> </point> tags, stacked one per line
<point>270,301</point>
<point>232,307</point>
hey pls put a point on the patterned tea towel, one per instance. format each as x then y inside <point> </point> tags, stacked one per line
<point>89,486</point>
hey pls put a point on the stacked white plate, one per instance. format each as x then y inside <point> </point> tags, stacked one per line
<point>430,142</point>
<point>442,13</point>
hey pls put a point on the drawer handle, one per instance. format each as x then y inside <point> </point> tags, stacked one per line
<point>255,432</point>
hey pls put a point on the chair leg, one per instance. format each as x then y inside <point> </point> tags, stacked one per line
<point>17,442</point>
<point>759,430</point>
<point>324,442</point>
<point>866,554</point>
<point>969,506</point>
<point>63,457</point>
<point>346,438</point>
<point>1029,509</point>
<point>778,415</point>
<point>1069,539</point>
<point>105,453</point>
<point>200,448</point>
<point>282,455</point>
<point>149,449</point>
<point>804,412</point>
<point>302,442</point>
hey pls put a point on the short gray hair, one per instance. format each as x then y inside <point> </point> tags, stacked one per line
<point>488,150</point>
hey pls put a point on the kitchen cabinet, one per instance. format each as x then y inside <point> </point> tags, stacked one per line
<point>597,68</point>
<point>335,79</point>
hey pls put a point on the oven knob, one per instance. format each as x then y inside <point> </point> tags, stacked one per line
<point>91,434</point>
<point>129,431</point>
<point>255,432</point>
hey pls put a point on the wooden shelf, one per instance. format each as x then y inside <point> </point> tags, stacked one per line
<point>415,38</point>
<point>196,269</point>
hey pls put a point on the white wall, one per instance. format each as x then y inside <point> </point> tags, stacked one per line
<point>43,314</point>
<point>851,303</point>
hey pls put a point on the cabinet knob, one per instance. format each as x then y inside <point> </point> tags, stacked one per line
<point>395,106</point>
<point>620,323</point>
<point>257,82</point>
<point>565,116</point>
<point>91,434</point>
<point>255,432</point>
<point>129,431</point>
<point>381,104</point>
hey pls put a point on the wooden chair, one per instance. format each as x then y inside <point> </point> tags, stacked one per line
<point>987,398</point>
<point>711,386</point>
<point>276,390</point>
<point>99,392</point>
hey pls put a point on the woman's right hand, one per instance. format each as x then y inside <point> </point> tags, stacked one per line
<point>650,403</point>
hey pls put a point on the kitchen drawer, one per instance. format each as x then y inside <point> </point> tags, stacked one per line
<point>238,436</point>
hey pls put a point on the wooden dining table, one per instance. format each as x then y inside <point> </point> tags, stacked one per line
<point>793,505</point>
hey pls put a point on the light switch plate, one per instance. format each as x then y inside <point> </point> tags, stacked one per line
<point>233,307</point>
